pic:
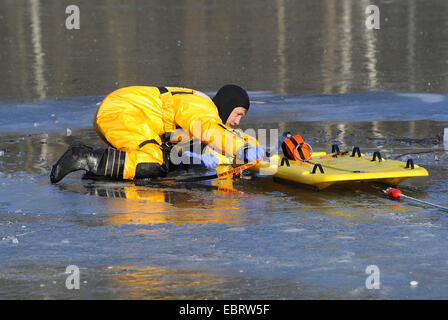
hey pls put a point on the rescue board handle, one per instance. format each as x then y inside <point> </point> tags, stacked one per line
<point>283,161</point>
<point>357,151</point>
<point>335,149</point>
<point>317,165</point>
<point>375,154</point>
<point>410,163</point>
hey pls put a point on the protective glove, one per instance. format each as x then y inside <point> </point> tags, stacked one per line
<point>251,154</point>
<point>207,160</point>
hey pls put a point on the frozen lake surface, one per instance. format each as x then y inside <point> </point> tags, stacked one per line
<point>193,241</point>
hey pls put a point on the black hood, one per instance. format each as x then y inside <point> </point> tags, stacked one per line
<point>228,98</point>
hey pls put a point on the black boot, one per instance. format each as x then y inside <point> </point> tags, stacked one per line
<point>104,162</point>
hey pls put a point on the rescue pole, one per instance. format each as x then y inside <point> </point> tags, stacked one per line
<point>397,194</point>
<point>235,170</point>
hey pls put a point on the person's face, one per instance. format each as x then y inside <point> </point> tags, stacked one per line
<point>235,116</point>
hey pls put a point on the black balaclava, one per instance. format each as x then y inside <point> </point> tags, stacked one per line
<point>228,98</point>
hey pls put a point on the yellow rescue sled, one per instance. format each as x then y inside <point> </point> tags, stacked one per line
<point>324,170</point>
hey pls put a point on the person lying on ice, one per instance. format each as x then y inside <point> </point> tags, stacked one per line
<point>136,123</point>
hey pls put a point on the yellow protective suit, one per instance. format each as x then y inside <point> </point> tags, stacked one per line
<point>134,119</point>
